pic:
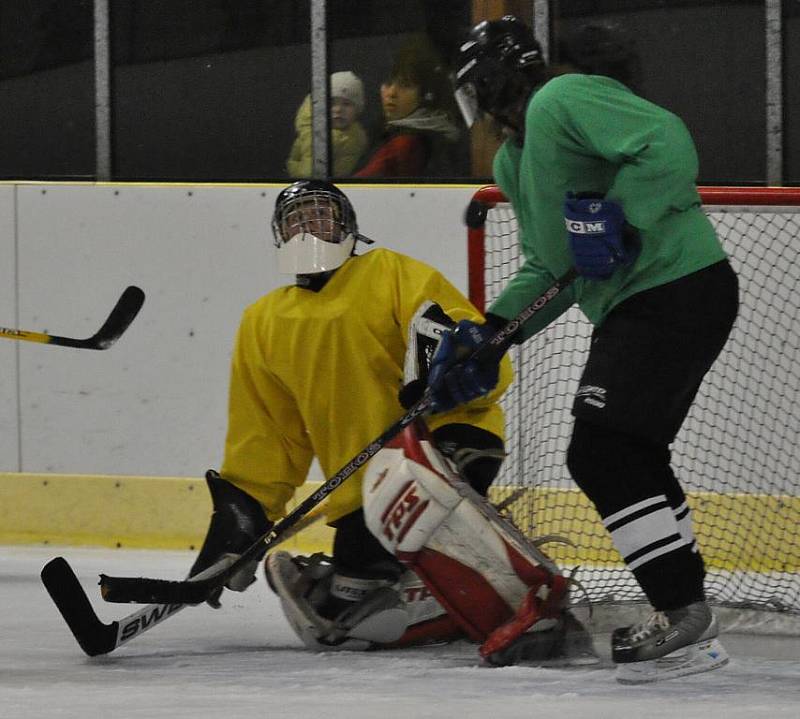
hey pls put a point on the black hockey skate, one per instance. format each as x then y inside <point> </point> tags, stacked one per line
<point>668,644</point>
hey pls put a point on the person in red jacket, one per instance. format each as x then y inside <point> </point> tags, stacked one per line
<point>420,135</point>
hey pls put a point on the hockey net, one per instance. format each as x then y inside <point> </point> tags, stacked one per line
<point>737,453</point>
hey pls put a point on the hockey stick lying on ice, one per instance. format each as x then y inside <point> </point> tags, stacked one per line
<point>143,591</point>
<point>124,312</point>
<point>96,637</point>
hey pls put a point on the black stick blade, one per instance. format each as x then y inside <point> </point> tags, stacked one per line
<point>140,590</point>
<point>65,590</point>
<point>120,318</point>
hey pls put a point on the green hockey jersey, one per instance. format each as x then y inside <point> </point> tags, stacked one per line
<point>587,133</point>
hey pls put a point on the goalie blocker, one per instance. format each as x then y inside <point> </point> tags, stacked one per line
<point>499,588</point>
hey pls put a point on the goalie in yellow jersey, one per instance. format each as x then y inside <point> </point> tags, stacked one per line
<point>320,368</point>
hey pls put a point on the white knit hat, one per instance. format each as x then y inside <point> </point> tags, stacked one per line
<point>349,86</point>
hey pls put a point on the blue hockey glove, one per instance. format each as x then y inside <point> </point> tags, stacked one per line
<point>599,237</point>
<point>454,378</point>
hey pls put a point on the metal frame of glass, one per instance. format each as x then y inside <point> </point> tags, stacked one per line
<point>319,95</point>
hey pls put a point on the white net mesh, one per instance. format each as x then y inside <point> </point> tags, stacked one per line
<point>737,453</point>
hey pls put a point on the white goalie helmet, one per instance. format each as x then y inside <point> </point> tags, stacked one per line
<point>315,228</point>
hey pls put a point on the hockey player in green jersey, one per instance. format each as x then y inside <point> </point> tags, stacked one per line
<point>604,181</point>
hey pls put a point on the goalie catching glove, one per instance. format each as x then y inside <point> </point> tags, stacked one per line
<point>237,520</point>
<point>495,584</point>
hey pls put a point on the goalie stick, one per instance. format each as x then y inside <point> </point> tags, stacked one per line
<point>162,591</point>
<point>120,318</point>
<point>96,637</point>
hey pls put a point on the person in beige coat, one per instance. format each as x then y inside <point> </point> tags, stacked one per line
<point>348,138</point>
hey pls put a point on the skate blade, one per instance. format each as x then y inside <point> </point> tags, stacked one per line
<point>573,662</point>
<point>581,660</point>
<point>693,659</point>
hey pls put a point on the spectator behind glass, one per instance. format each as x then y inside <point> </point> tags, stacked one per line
<point>420,136</point>
<point>348,138</point>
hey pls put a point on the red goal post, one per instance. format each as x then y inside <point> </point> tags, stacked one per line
<point>490,196</point>
<point>737,451</point>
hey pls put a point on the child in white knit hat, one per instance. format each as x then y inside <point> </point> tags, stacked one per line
<point>348,138</point>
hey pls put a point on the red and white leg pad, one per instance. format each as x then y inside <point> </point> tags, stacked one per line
<point>491,580</point>
<point>428,621</point>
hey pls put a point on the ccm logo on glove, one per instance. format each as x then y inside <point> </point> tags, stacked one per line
<point>581,227</point>
<point>600,238</point>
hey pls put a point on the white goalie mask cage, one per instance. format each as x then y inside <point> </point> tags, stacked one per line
<point>314,227</point>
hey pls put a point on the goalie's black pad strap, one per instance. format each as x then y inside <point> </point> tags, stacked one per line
<point>357,553</point>
<point>476,452</point>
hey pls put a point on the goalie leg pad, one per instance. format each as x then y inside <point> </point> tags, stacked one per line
<point>429,622</point>
<point>477,564</point>
<point>540,607</point>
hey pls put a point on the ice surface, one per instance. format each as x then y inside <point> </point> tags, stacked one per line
<point>244,661</point>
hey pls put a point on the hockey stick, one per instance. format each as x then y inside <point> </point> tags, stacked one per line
<point>124,312</point>
<point>143,590</point>
<point>96,637</point>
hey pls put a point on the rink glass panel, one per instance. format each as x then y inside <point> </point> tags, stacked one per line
<point>207,90</point>
<point>791,99</point>
<point>47,90</point>
<point>659,48</point>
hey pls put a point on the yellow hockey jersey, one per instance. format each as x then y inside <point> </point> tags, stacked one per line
<point>317,374</point>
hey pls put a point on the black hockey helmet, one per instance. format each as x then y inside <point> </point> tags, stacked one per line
<point>314,227</point>
<point>499,63</point>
